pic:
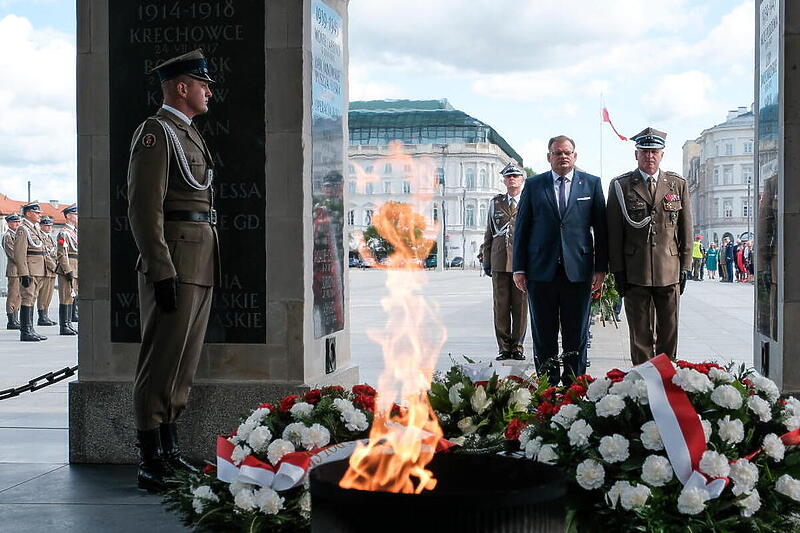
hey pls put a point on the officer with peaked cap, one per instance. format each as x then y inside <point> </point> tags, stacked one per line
<point>510,304</point>
<point>49,282</point>
<point>650,247</point>
<point>13,299</point>
<point>67,258</point>
<point>29,253</point>
<point>172,217</point>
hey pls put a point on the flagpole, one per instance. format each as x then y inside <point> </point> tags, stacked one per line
<point>601,136</point>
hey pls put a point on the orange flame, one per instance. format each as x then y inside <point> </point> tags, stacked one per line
<point>403,441</point>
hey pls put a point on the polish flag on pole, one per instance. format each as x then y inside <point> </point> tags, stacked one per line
<point>606,118</point>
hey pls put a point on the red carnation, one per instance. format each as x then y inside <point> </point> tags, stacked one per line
<point>209,469</point>
<point>364,389</point>
<point>313,396</point>
<point>266,405</point>
<point>287,402</point>
<point>333,389</point>
<point>545,409</point>
<point>516,379</point>
<point>615,375</point>
<point>549,393</point>
<point>365,402</point>
<point>514,428</point>
<point>576,390</point>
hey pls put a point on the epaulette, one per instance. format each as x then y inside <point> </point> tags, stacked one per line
<point>674,175</point>
<point>498,196</point>
<point>624,175</point>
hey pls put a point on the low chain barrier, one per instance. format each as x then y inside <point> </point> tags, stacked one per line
<point>39,382</point>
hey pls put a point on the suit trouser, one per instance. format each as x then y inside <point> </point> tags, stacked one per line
<point>29,294</point>
<point>510,312</point>
<point>565,304</point>
<point>14,299</point>
<point>729,269</point>
<point>723,270</point>
<point>170,351</point>
<point>65,290</point>
<point>652,333</point>
<point>46,293</point>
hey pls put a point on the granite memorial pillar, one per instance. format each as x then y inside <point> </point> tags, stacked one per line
<point>277,128</point>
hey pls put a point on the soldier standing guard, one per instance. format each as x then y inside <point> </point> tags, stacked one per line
<point>29,252</point>
<point>49,283</point>
<point>13,299</point>
<point>67,257</point>
<point>172,217</point>
<point>650,247</point>
<point>510,303</point>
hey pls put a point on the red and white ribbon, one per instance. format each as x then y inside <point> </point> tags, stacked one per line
<point>678,423</point>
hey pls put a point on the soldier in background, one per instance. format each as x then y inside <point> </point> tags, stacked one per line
<point>13,298</point>
<point>67,258</point>
<point>49,283</point>
<point>510,303</point>
<point>29,252</point>
<point>650,247</point>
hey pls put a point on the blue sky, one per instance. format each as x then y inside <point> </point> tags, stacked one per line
<point>531,69</point>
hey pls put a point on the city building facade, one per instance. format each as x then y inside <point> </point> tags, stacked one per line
<point>440,160</point>
<point>718,166</point>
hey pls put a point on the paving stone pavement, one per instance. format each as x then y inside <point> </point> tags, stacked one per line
<point>39,491</point>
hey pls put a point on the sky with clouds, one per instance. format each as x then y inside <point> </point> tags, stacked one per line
<point>529,68</point>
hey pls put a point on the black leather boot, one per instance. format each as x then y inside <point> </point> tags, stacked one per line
<point>13,323</point>
<point>26,333</point>
<point>70,325</point>
<point>44,320</point>
<point>30,321</point>
<point>152,468</point>
<point>63,320</point>
<point>172,453</point>
<point>75,311</point>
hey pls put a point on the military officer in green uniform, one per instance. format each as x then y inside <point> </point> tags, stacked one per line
<point>510,304</point>
<point>650,247</point>
<point>13,298</point>
<point>172,217</point>
<point>67,257</point>
<point>49,284</point>
<point>29,253</point>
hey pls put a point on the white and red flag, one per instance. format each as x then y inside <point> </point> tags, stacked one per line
<point>607,118</point>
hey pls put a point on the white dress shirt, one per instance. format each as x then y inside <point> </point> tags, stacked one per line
<point>567,184</point>
<point>178,114</point>
<point>515,198</point>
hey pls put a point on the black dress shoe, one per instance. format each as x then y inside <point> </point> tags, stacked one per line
<point>504,356</point>
<point>517,356</point>
<point>171,452</point>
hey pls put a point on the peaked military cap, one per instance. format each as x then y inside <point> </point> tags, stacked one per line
<point>511,170</point>
<point>33,206</point>
<point>70,209</point>
<point>13,217</point>
<point>46,221</point>
<point>192,64</point>
<point>650,139</point>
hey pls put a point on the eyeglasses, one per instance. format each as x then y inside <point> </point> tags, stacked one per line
<point>563,152</point>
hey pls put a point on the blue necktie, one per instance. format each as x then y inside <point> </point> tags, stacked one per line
<point>562,197</point>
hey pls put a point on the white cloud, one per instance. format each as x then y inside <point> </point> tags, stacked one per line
<point>37,112</point>
<point>361,88</point>
<point>678,96</point>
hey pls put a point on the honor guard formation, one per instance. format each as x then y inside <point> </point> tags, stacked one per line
<point>34,261</point>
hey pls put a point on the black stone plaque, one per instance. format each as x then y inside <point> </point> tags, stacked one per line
<point>231,34</point>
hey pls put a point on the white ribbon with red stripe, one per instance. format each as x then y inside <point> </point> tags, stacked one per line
<point>678,423</point>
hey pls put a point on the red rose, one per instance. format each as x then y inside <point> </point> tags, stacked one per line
<point>365,402</point>
<point>287,402</point>
<point>209,469</point>
<point>514,428</point>
<point>549,393</point>
<point>615,375</point>
<point>313,396</point>
<point>266,405</point>
<point>364,389</point>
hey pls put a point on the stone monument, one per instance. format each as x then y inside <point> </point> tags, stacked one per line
<point>277,128</point>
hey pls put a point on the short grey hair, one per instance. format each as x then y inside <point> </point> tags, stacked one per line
<point>559,138</point>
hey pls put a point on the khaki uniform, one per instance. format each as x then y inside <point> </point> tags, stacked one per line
<point>49,281</point>
<point>510,304</point>
<point>652,257</point>
<point>67,258</point>
<point>29,256</point>
<point>162,185</point>
<point>13,300</point>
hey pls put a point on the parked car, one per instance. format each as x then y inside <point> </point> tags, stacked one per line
<point>431,261</point>
<point>356,262</point>
<point>457,262</point>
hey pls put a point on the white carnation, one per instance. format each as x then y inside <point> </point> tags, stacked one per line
<point>355,420</point>
<point>691,380</point>
<point>773,446</point>
<point>301,410</point>
<point>693,500</point>
<point>566,415</point>
<point>614,493</point>
<point>520,399</point>
<point>268,501</point>
<point>708,429</point>
<point>610,405</point>
<point>791,422</point>
<point>467,426</point>
<point>458,441</point>
<point>277,449</point>
<point>720,376</point>
<point>314,437</point>
<point>727,396</point>
<point>342,405</point>
<point>597,389</point>
<point>579,433</point>
<point>547,454</point>
<point>656,471</point>
<point>454,394</point>
<point>237,486</point>
<point>639,392</point>
<point>245,499</point>
<point>744,475</point>
<point>259,438</point>
<point>765,385</point>
<point>730,431</point>
<point>788,486</point>
<point>749,504</point>
<point>714,464</point>
<point>305,503</point>
<point>293,432</point>
<point>634,496</point>
<point>651,438</point>
<point>244,429</point>
<point>792,405</point>
<point>258,415</point>
<point>614,448</point>
<point>480,401</point>
<point>590,474</point>
<point>202,495</point>
<point>525,435</point>
<point>532,447</point>
<point>239,453</point>
<point>760,407</point>
<point>621,389</point>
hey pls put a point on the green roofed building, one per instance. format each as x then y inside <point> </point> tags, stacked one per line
<point>424,152</point>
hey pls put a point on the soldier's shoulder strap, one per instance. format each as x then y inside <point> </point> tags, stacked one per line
<point>674,175</point>
<point>625,175</point>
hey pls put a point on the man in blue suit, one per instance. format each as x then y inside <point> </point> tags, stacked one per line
<point>560,258</point>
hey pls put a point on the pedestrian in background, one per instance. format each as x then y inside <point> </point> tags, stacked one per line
<point>723,265</point>
<point>697,257</point>
<point>730,256</point>
<point>711,260</point>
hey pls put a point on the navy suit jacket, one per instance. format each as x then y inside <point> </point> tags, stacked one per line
<point>541,236</point>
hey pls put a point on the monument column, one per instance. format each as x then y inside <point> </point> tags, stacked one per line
<point>277,128</point>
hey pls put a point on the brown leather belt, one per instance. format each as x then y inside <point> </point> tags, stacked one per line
<point>34,252</point>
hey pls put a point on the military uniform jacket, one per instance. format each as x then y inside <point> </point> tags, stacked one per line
<point>50,255</point>
<point>67,251</point>
<point>29,250</point>
<point>498,241</point>
<point>654,254</point>
<point>8,247</point>
<point>157,184</point>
